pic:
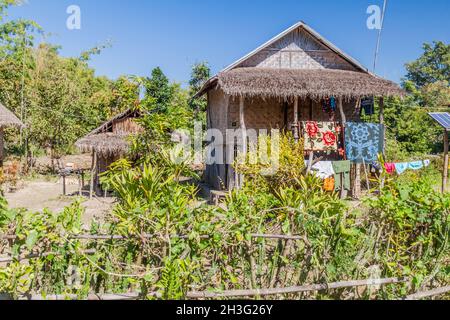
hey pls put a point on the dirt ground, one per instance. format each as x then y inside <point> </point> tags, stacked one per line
<point>38,195</point>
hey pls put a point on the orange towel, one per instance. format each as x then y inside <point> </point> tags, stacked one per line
<point>329,184</point>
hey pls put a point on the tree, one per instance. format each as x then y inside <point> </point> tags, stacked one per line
<point>427,81</point>
<point>201,72</point>
<point>158,92</point>
<point>432,66</point>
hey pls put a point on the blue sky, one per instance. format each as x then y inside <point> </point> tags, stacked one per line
<point>174,34</point>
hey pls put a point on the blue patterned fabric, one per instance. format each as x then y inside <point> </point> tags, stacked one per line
<point>417,165</point>
<point>363,142</point>
<point>401,167</point>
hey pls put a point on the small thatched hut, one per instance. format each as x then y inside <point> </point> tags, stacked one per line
<point>284,82</point>
<point>109,142</point>
<point>7,120</point>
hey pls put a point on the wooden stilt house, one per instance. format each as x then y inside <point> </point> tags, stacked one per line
<point>109,143</point>
<point>281,84</point>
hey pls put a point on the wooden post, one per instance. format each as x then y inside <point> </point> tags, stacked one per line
<point>382,122</point>
<point>64,184</point>
<point>244,134</point>
<point>344,122</point>
<point>357,182</point>
<point>295,126</point>
<point>445,173</point>
<point>93,172</point>
<point>384,133</point>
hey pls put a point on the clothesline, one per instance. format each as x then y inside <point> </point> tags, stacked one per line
<point>401,167</point>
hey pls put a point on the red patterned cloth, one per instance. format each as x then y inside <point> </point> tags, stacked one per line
<point>390,167</point>
<point>321,136</point>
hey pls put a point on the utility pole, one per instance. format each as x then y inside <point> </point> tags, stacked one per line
<point>379,36</point>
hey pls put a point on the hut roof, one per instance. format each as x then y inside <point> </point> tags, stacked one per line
<point>236,79</point>
<point>106,143</point>
<point>313,33</point>
<point>317,83</point>
<point>8,119</point>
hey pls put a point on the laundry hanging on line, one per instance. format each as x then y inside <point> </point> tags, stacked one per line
<point>402,167</point>
<point>322,169</point>
<point>363,141</point>
<point>320,136</point>
<point>342,171</point>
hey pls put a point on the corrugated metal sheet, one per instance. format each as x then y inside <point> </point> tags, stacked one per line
<point>443,118</point>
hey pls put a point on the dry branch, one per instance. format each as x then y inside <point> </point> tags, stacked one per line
<point>292,290</point>
<point>41,255</point>
<point>428,294</point>
<point>224,294</point>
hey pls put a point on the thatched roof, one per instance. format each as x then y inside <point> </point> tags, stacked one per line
<point>8,119</point>
<point>317,83</point>
<point>105,144</point>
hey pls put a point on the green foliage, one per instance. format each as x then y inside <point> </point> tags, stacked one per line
<point>432,66</point>
<point>411,129</point>
<point>158,92</point>
<point>201,72</point>
<point>413,231</point>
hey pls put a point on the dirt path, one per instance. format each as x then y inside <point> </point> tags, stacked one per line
<point>39,195</point>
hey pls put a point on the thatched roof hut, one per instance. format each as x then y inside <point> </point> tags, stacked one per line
<point>302,83</point>
<point>281,84</point>
<point>109,142</point>
<point>7,120</point>
<point>112,139</point>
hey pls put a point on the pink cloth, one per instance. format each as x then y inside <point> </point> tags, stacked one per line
<point>390,167</point>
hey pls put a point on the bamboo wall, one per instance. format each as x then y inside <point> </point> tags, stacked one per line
<point>297,50</point>
<point>125,126</point>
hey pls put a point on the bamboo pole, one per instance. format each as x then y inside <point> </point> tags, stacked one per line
<point>228,293</point>
<point>292,290</point>
<point>344,122</point>
<point>446,162</point>
<point>93,172</point>
<point>150,236</point>
<point>428,294</point>
<point>244,134</point>
<point>34,256</point>
<point>295,126</point>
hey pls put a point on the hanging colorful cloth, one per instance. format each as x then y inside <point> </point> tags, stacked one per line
<point>342,170</point>
<point>401,167</point>
<point>329,184</point>
<point>333,104</point>
<point>416,165</point>
<point>320,136</point>
<point>390,167</point>
<point>363,141</point>
<point>323,169</point>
